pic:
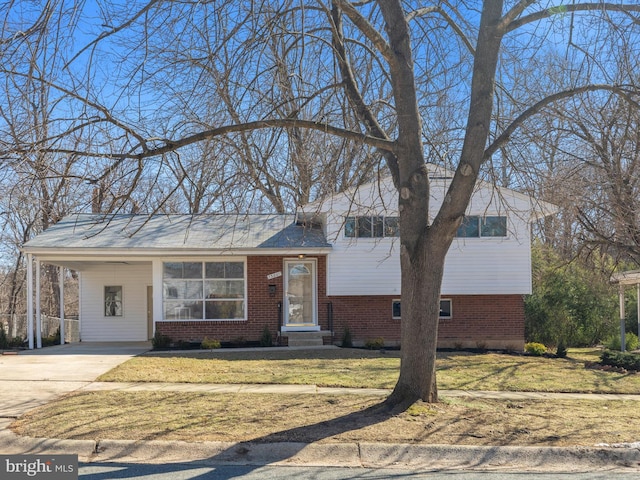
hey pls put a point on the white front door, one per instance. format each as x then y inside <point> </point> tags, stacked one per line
<point>300,304</point>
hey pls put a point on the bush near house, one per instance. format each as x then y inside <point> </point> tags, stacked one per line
<point>209,344</point>
<point>160,341</point>
<point>537,349</point>
<point>572,303</point>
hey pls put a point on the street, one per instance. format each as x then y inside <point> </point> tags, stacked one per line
<point>130,471</point>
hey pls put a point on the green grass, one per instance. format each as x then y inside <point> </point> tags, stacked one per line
<point>269,418</point>
<point>372,369</point>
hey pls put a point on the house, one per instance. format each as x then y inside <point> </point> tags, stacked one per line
<point>305,277</point>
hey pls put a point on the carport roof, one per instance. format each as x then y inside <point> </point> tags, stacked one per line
<point>91,232</point>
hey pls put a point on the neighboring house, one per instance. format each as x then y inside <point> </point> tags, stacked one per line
<point>333,265</point>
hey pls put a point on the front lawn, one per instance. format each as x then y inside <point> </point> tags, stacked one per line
<point>363,368</point>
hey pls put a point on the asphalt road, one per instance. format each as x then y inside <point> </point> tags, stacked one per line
<point>131,471</point>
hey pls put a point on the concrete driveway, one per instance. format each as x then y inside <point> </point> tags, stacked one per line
<point>35,377</point>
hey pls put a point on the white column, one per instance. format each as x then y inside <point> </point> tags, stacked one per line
<point>623,345</point>
<point>38,309</point>
<point>61,290</point>
<point>30,300</point>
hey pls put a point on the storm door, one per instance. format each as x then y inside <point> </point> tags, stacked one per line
<point>300,304</point>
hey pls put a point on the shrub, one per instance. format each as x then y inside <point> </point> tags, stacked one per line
<point>374,343</point>
<point>628,361</point>
<point>209,344</point>
<point>347,341</point>
<point>537,349</point>
<point>573,302</point>
<point>160,341</point>
<point>4,343</point>
<point>561,350</point>
<point>630,340</point>
<point>266,340</point>
<point>16,342</point>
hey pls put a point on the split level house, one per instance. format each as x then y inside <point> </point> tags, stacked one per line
<point>306,277</point>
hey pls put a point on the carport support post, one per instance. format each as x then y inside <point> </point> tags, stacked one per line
<point>38,309</point>
<point>30,299</point>
<point>623,346</point>
<point>61,289</point>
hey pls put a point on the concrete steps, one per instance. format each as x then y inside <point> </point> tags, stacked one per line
<point>306,339</point>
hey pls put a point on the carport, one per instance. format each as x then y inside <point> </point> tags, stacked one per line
<point>626,279</point>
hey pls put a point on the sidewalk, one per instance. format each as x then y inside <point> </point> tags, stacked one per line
<point>314,389</point>
<point>415,456</point>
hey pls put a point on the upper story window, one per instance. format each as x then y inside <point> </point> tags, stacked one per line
<point>375,226</point>
<point>477,226</point>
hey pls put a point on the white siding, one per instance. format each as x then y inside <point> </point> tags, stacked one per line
<point>473,265</point>
<point>132,325</point>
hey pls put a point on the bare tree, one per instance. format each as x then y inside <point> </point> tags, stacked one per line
<point>411,79</point>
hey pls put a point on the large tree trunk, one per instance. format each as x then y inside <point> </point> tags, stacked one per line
<point>423,245</point>
<point>421,280</point>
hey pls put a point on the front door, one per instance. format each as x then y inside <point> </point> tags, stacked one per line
<point>300,304</point>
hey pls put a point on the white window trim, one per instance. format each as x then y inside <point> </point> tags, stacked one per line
<point>205,260</point>
<point>384,224</point>
<point>485,237</point>
<point>316,325</point>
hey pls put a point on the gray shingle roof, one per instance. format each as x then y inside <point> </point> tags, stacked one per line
<point>180,232</point>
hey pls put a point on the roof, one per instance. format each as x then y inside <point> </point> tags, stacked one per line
<point>177,232</point>
<point>381,194</point>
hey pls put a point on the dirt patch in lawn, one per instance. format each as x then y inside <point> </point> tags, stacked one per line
<point>323,418</point>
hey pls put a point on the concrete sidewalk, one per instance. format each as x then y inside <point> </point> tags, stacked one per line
<point>314,389</point>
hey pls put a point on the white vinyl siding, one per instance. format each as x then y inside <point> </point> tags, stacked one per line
<point>132,325</point>
<point>474,266</point>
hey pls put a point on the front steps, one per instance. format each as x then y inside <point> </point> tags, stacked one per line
<point>306,339</point>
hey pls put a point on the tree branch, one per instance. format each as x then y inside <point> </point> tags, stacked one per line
<point>447,18</point>
<point>173,145</point>
<point>537,107</point>
<point>366,28</point>
<point>581,7</point>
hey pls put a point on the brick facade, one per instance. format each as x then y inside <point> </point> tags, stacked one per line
<point>263,308</point>
<point>478,321</point>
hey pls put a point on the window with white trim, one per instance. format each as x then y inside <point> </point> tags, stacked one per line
<point>204,290</point>
<point>375,226</point>
<point>477,226</point>
<point>445,309</point>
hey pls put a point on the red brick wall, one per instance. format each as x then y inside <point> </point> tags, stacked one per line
<point>478,321</point>
<point>486,321</point>
<point>262,308</point>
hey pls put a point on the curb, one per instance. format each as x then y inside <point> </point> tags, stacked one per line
<point>354,455</point>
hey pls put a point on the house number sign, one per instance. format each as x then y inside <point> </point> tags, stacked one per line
<point>271,276</point>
